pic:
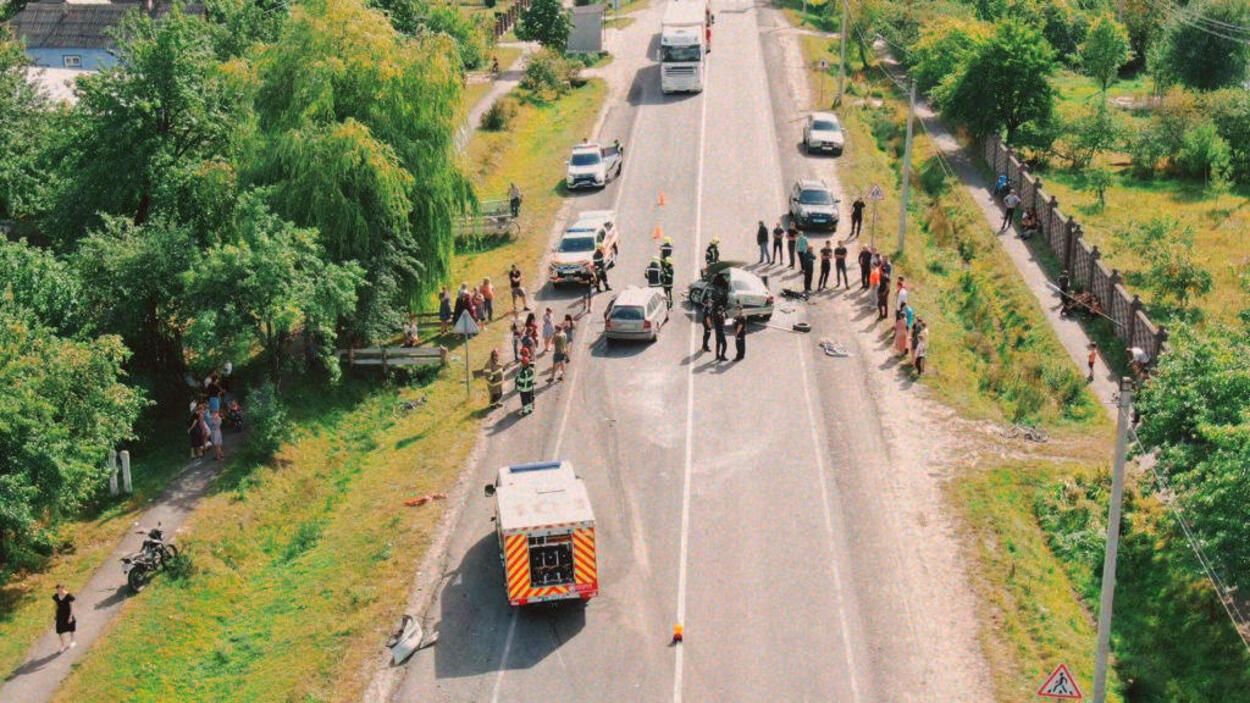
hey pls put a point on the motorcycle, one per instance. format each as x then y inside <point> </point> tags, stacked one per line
<point>153,556</point>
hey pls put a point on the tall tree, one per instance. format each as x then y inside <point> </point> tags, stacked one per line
<point>268,279</point>
<point>1198,55</point>
<point>1105,50</point>
<point>1196,413</point>
<point>143,124</point>
<point>62,407</point>
<point>24,119</point>
<point>943,47</point>
<point>546,22</point>
<point>1004,84</point>
<point>355,136</point>
<point>43,284</point>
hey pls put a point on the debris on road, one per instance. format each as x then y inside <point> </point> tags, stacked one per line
<point>801,327</point>
<point>417,502</point>
<point>832,348</point>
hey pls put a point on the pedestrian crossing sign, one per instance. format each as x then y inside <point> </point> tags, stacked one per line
<point>876,193</point>
<point>466,325</point>
<point>1061,684</point>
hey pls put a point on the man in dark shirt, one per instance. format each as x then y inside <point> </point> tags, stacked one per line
<point>839,258</point>
<point>826,261</point>
<point>857,216</point>
<point>792,240</point>
<point>778,235</point>
<point>761,238</point>
<point>865,266</point>
<point>718,325</point>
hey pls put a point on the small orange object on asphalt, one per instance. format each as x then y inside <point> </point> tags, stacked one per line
<point>660,202</point>
<point>678,632</point>
<point>657,232</point>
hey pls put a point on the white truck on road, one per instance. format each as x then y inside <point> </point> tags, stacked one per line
<point>683,46</point>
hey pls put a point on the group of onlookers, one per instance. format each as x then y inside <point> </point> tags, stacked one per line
<point>208,412</point>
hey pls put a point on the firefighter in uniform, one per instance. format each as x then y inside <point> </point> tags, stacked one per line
<point>713,252</point>
<point>666,248</point>
<point>601,271</point>
<point>654,273</point>
<point>666,279</point>
<point>525,384</point>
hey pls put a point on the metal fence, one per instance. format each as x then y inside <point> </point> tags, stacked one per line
<point>1082,262</point>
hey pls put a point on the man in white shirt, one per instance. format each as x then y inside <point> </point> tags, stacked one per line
<point>1011,202</point>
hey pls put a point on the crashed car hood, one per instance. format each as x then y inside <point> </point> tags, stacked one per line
<point>574,257</point>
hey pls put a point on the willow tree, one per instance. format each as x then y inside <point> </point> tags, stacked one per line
<point>355,129</point>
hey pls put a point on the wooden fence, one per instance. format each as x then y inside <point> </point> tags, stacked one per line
<point>507,19</point>
<point>1082,262</point>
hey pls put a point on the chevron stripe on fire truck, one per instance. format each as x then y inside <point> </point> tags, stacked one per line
<point>584,565</point>
<point>517,565</point>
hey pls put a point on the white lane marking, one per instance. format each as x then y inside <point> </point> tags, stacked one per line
<point>818,448</point>
<point>689,461</point>
<point>567,397</point>
<point>808,381</point>
<point>616,205</point>
<point>503,658</point>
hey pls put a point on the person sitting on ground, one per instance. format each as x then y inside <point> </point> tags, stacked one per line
<point>1029,224</point>
<point>412,333</point>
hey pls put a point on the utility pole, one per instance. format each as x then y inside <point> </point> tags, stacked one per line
<point>902,211</point>
<point>846,10</point>
<point>1113,541</point>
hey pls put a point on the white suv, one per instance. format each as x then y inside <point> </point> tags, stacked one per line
<point>823,132</point>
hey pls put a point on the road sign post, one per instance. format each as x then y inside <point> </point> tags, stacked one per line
<point>876,195</point>
<point>822,67</point>
<point>466,326</point>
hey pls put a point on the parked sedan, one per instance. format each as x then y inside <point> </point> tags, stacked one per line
<point>823,133</point>
<point>731,286</point>
<point>637,313</point>
<point>812,205</point>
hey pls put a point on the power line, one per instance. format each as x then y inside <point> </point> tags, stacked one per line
<point>1222,591</point>
<point>1174,12</point>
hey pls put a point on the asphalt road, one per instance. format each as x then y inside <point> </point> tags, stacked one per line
<point>741,499</point>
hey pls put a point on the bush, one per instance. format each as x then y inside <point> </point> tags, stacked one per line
<point>180,568</point>
<point>267,421</point>
<point>1230,110</point>
<point>1145,151</point>
<point>548,75</point>
<point>1203,154</point>
<point>500,115</point>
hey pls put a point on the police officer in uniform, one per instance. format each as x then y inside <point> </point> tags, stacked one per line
<point>707,324</point>
<point>713,252</point>
<point>601,271</point>
<point>718,323</point>
<point>525,384</point>
<point>654,273</point>
<point>666,279</point>
<point>666,248</point>
<point>740,335</point>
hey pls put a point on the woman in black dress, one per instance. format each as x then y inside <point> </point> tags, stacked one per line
<point>65,621</point>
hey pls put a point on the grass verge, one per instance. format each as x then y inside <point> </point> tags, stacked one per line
<point>1037,535</point>
<point>992,353</point>
<point>475,91</point>
<point>86,543</point>
<point>298,564</point>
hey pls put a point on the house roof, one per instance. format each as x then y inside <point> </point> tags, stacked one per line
<point>62,25</point>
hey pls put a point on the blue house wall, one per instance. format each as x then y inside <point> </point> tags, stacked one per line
<point>91,59</point>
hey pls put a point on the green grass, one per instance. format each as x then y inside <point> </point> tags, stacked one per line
<point>1034,620</point>
<point>1220,226</point>
<point>301,566</point>
<point>86,543</point>
<point>993,354</point>
<point>1037,533</point>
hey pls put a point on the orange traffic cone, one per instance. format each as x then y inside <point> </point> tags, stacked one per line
<point>660,202</point>
<point>678,632</point>
<point>657,233</point>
